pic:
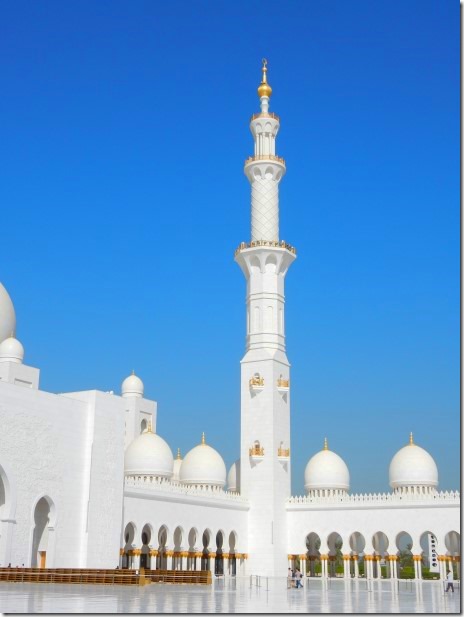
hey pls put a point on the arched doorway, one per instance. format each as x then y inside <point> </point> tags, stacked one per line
<point>313,556</point>
<point>145,558</point>
<point>129,537</point>
<point>335,543</point>
<point>430,564</point>
<point>405,558</point>
<point>162,559</point>
<point>380,543</point>
<point>41,537</point>
<point>192,542</point>
<point>205,565</point>
<point>357,545</point>
<point>232,558</point>
<point>453,552</point>
<point>177,559</point>
<point>219,559</point>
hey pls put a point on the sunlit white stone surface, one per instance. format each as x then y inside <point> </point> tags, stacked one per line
<point>233,596</point>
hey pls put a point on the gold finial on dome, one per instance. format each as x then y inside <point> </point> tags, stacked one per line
<point>133,372</point>
<point>203,440</point>
<point>178,457</point>
<point>264,88</point>
<point>149,427</point>
<point>326,444</point>
<point>411,440</point>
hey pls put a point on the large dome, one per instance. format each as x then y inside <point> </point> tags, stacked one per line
<point>148,455</point>
<point>326,470</point>
<point>203,465</point>
<point>7,315</point>
<point>413,466</point>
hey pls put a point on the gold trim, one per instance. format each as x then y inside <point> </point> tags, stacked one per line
<point>265,157</point>
<point>326,444</point>
<point>411,440</point>
<point>256,451</point>
<point>121,551</point>
<point>273,243</point>
<point>264,88</point>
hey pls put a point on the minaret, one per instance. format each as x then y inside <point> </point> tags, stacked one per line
<point>265,378</point>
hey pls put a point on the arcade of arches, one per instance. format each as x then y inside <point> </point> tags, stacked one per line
<point>180,550</point>
<point>396,557</point>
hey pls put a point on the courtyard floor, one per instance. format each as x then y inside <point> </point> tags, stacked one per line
<point>233,596</point>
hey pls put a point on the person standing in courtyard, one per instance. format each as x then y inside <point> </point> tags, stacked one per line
<point>449,582</point>
<point>298,577</point>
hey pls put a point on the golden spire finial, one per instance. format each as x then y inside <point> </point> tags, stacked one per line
<point>178,457</point>
<point>264,88</point>
<point>203,440</point>
<point>149,427</point>
<point>411,440</point>
<point>326,444</point>
<point>133,372</point>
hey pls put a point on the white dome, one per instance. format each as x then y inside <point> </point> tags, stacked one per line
<point>7,315</point>
<point>203,465</point>
<point>233,477</point>
<point>148,455</point>
<point>132,386</point>
<point>11,350</point>
<point>177,466</point>
<point>326,470</point>
<point>413,466</point>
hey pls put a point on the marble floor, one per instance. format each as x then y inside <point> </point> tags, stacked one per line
<point>233,596</point>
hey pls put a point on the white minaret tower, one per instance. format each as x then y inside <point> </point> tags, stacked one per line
<point>265,378</point>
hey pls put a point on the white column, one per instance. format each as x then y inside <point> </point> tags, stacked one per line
<point>346,566</point>
<point>169,560</point>
<point>356,566</point>
<point>136,559</point>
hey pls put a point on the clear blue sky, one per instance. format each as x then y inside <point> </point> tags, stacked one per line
<point>124,131</point>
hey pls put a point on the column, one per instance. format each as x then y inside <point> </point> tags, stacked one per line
<point>379,567</point>
<point>136,552</point>
<point>356,565</point>
<point>324,559</point>
<point>225,564</point>
<point>368,566</point>
<point>346,566</point>
<point>169,555</point>
<point>303,564</point>
<point>153,556</point>
<point>121,557</point>
<point>441,564</point>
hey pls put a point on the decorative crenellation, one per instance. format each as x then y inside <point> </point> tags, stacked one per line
<point>377,498</point>
<point>283,383</point>
<point>272,243</point>
<point>256,451</point>
<point>170,486</point>
<point>283,452</point>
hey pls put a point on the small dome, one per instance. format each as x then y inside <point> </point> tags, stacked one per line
<point>203,465</point>
<point>132,386</point>
<point>233,477</point>
<point>11,350</point>
<point>7,315</point>
<point>148,455</point>
<point>413,466</point>
<point>177,466</point>
<point>326,470</point>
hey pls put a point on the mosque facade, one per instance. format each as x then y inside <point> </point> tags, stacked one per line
<point>90,483</point>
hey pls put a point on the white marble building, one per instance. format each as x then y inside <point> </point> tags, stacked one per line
<point>85,480</point>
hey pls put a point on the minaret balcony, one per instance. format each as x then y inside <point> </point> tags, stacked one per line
<point>265,115</point>
<point>271,243</point>
<point>256,453</point>
<point>265,157</point>
<point>257,383</point>
<point>283,385</point>
<point>283,454</point>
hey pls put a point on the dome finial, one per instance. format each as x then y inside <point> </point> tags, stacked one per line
<point>178,457</point>
<point>203,440</point>
<point>133,372</point>
<point>411,440</point>
<point>149,427</point>
<point>264,88</point>
<point>326,444</point>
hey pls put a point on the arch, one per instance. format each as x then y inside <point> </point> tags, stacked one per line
<point>335,543</point>
<point>219,559</point>
<point>7,513</point>
<point>269,173</point>
<point>162,558</point>
<point>404,545</point>
<point>357,544</point>
<point>130,531</point>
<point>270,265</point>
<point>44,518</point>
<point>206,540</point>
<point>453,543</point>
<point>143,426</point>
<point>313,556</point>
<point>255,265</point>
<point>192,538</point>
<point>380,545</point>
<point>429,545</point>
<point>146,537</point>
